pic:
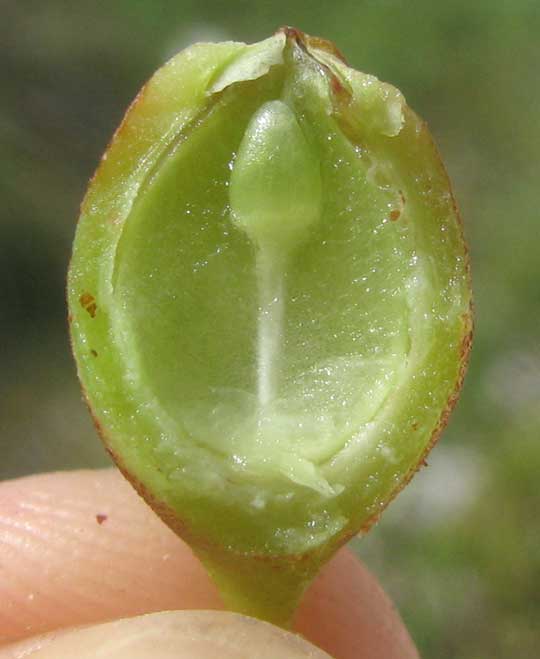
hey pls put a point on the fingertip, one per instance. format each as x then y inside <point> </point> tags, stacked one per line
<point>347,613</point>
<point>81,548</point>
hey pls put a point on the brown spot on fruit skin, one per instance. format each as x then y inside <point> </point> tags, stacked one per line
<point>100,518</point>
<point>394,215</point>
<point>93,353</point>
<point>88,302</point>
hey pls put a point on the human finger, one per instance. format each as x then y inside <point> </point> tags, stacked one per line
<point>80,548</point>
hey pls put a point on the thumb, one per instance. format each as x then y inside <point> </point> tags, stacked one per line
<point>171,635</point>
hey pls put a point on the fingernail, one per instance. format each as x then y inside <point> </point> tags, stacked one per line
<point>171,635</point>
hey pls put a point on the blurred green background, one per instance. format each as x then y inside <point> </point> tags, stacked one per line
<point>460,549</point>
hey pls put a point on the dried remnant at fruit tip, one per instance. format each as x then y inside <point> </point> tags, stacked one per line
<point>306,40</point>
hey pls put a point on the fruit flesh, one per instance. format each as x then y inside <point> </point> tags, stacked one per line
<point>281,446</point>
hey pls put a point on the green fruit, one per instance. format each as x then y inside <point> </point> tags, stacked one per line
<point>270,304</point>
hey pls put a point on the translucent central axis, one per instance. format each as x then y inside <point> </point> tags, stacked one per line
<point>270,321</point>
<point>275,196</point>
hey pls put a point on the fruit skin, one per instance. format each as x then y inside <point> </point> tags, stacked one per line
<point>265,583</point>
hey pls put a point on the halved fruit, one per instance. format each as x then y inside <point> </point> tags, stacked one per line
<point>270,304</point>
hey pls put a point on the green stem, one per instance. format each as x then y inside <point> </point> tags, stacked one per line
<point>261,587</point>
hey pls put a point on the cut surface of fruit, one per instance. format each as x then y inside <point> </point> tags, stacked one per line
<point>281,301</point>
